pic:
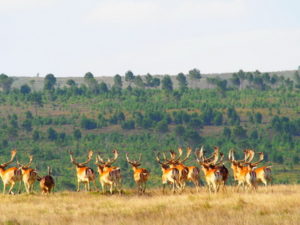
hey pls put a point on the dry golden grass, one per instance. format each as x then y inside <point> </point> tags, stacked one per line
<point>275,205</point>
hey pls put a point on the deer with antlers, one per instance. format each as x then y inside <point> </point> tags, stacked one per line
<point>47,182</point>
<point>263,174</point>
<point>11,175</point>
<point>29,175</point>
<point>140,175</point>
<point>213,171</point>
<point>243,174</point>
<point>84,174</point>
<point>109,175</point>
<point>216,163</point>
<point>169,175</point>
<point>186,173</point>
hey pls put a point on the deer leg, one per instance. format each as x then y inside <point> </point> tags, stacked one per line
<point>111,188</point>
<point>88,186</point>
<point>163,190</point>
<point>78,185</point>
<point>20,185</point>
<point>4,187</point>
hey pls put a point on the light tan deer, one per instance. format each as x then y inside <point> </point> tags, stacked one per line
<point>244,175</point>
<point>11,175</point>
<point>84,174</point>
<point>186,173</point>
<point>212,173</point>
<point>29,175</point>
<point>140,175</point>
<point>264,173</point>
<point>215,164</point>
<point>109,175</point>
<point>47,182</point>
<point>169,175</point>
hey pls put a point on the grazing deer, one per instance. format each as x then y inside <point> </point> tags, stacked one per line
<point>263,174</point>
<point>29,175</point>
<point>84,174</point>
<point>186,173</point>
<point>140,175</point>
<point>244,175</point>
<point>11,175</point>
<point>212,172</point>
<point>47,182</point>
<point>109,175</point>
<point>169,175</point>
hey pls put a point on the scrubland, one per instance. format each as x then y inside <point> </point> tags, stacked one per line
<point>273,205</point>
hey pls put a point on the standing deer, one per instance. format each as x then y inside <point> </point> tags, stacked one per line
<point>84,174</point>
<point>47,182</point>
<point>263,174</point>
<point>11,175</point>
<point>186,173</point>
<point>169,175</point>
<point>212,172</point>
<point>140,175</point>
<point>245,175</point>
<point>215,164</point>
<point>109,175</point>
<point>29,175</point>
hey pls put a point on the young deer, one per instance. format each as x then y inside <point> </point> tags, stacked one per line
<point>29,175</point>
<point>84,174</point>
<point>140,175</point>
<point>109,175</point>
<point>11,175</point>
<point>47,182</point>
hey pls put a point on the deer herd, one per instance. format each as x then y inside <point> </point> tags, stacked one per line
<point>175,172</point>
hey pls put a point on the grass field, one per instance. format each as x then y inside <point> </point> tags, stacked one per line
<point>274,205</point>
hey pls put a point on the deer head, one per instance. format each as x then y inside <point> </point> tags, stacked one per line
<point>25,166</point>
<point>73,160</point>
<point>109,162</point>
<point>134,163</point>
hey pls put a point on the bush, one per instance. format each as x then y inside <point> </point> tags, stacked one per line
<point>128,125</point>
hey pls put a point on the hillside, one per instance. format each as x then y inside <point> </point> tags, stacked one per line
<point>247,110</point>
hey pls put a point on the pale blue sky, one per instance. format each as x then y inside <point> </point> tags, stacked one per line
<point>106,37</point>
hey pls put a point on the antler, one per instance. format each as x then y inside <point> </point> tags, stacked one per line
<point>261,158</point>
<point>188,153</point>
<point>28,164</point>
<point>13,154</point>
<point>249,155</point>
<point>90,155</point>
<point>158,159</point>
<point>135,162</point>
<point>72,158</point>
<point>49,171</point>
<point>220,160</point>
<point>109,161</point>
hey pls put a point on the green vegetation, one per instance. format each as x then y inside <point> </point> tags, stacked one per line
<point>146,114</point>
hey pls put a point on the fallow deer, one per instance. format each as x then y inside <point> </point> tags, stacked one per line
<point>109,175</point>
<point>29,175</point>
<point>244,175</point>
<point>47,182</point>
<point>215,164</point>
<point>212,173</point>
<point>186,173</point>
<point>169,175</point>
<point>84,174</point>
<point>140,175</point>
<point>11,175</point>
<point>263,174</point>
